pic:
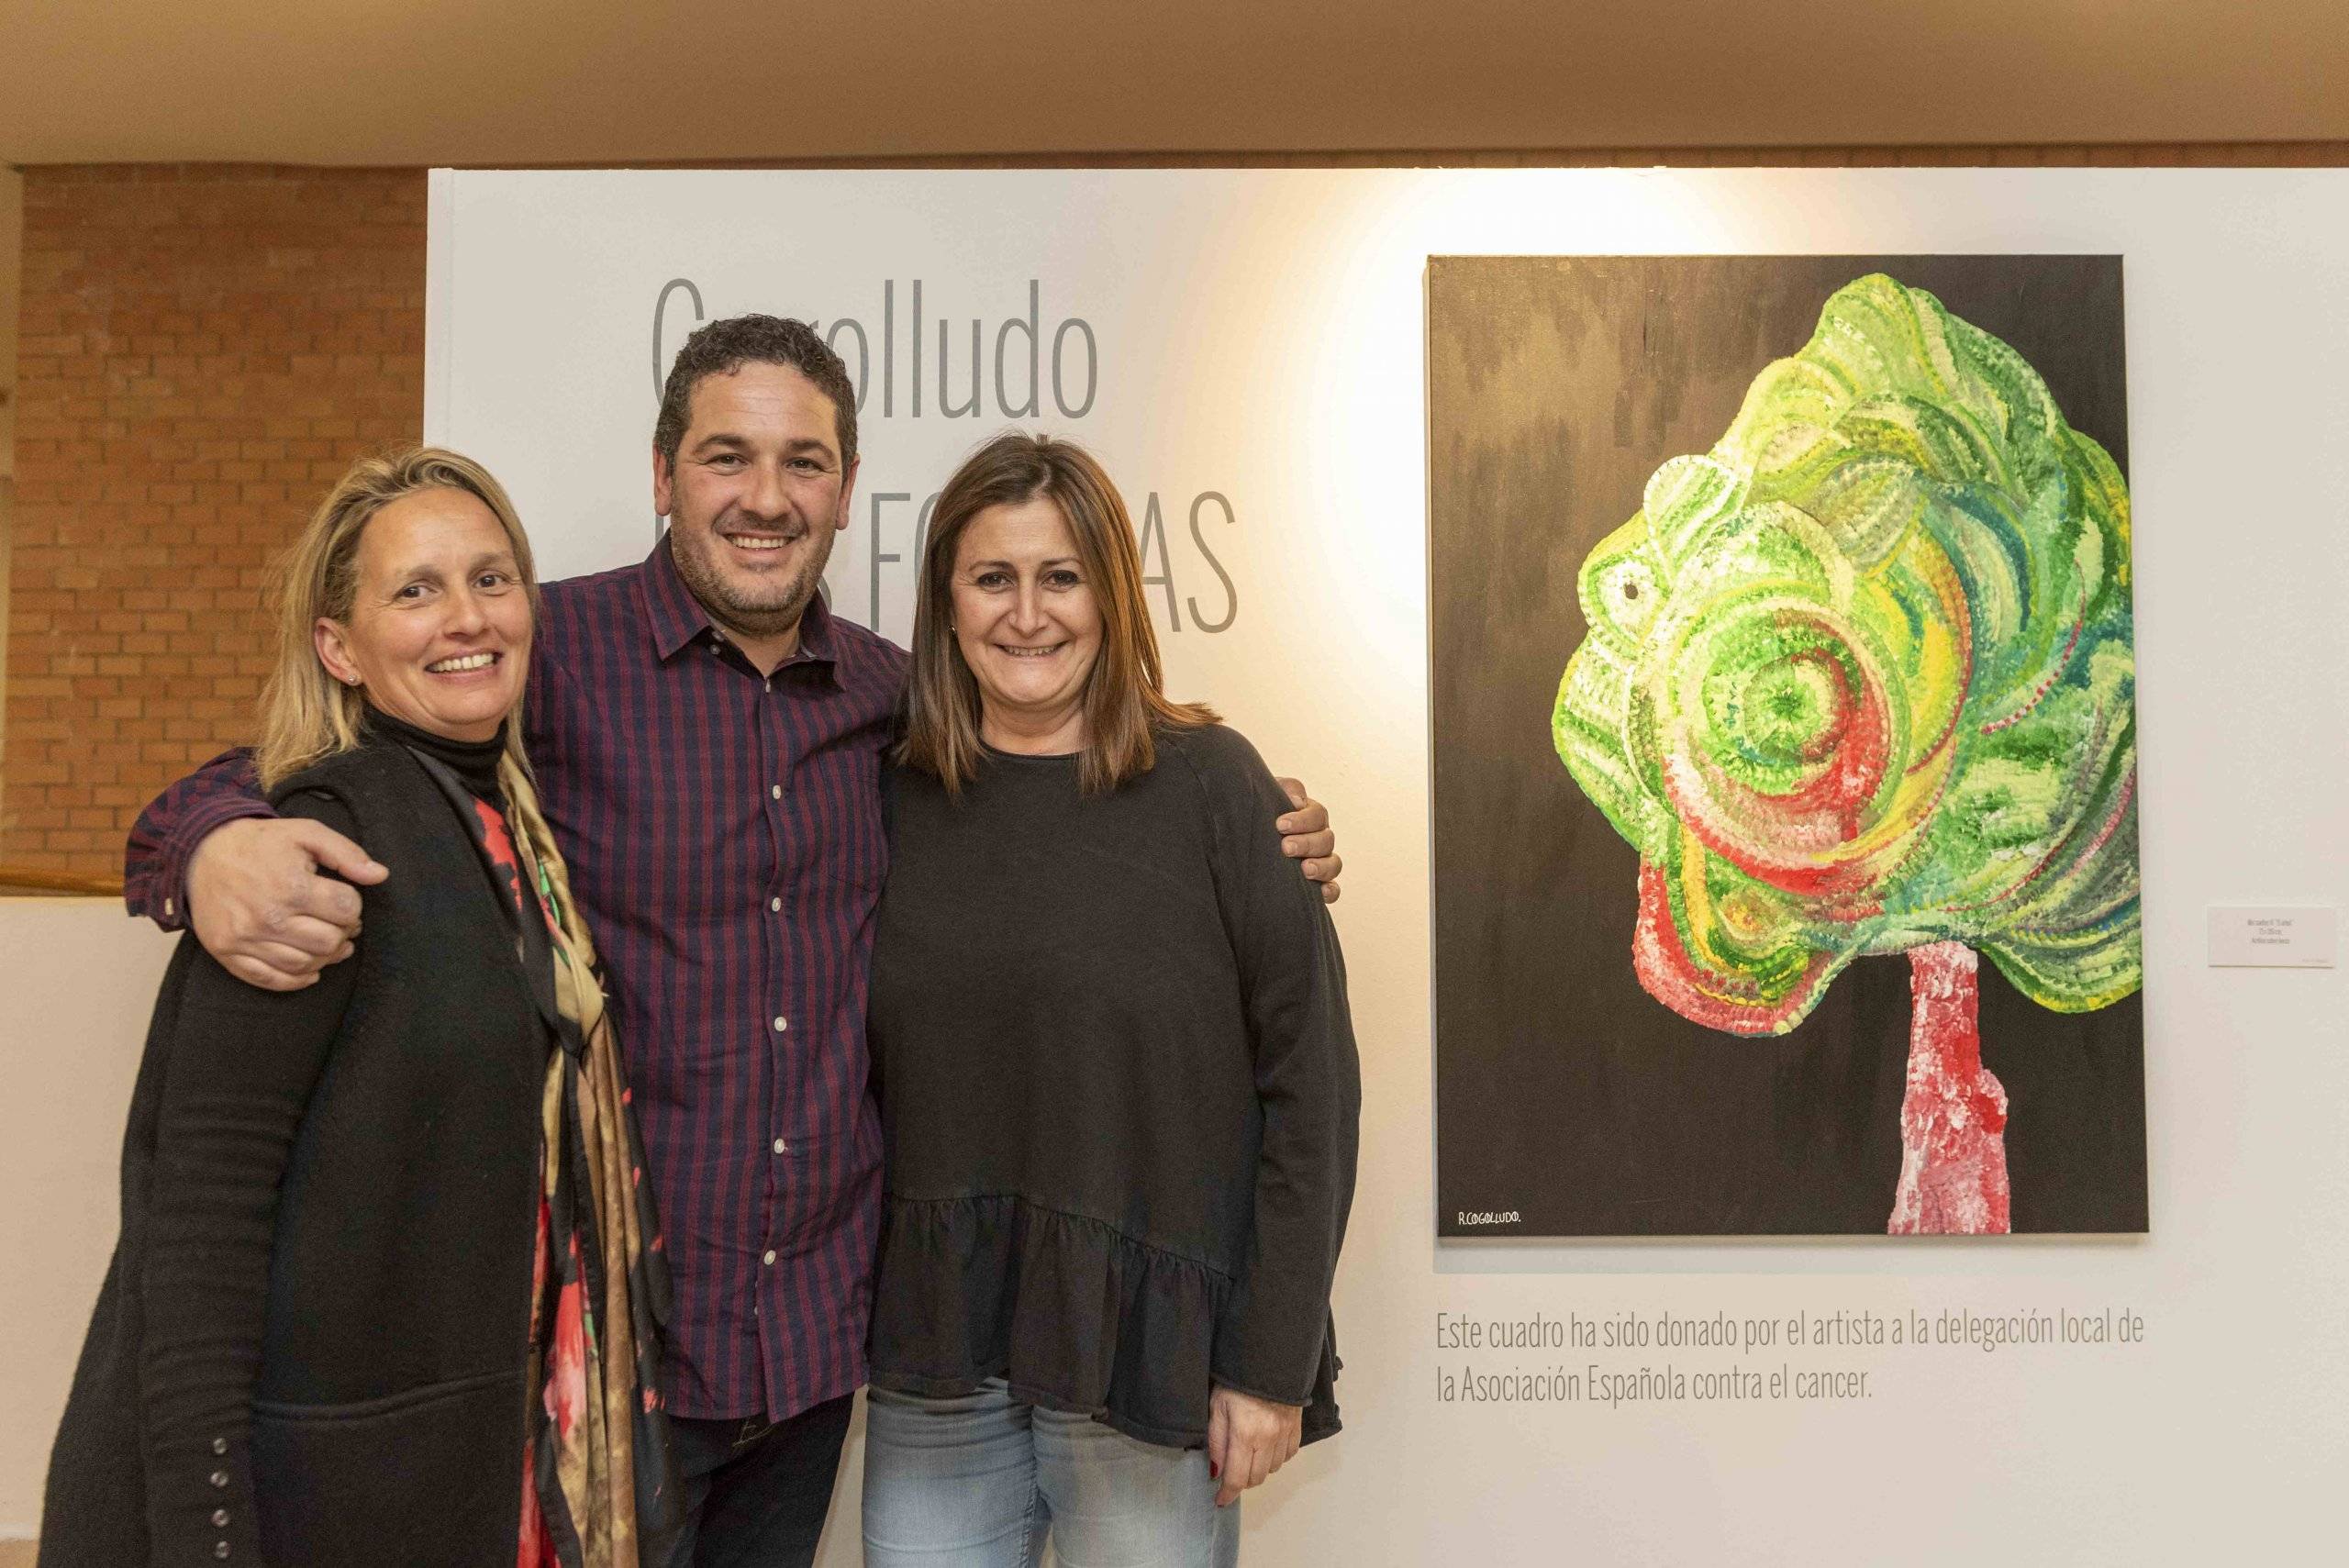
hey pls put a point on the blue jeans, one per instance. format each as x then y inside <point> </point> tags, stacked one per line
<point>983,1480</point>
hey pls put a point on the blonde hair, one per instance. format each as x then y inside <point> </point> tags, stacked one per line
<point>1124,699</point>
<point>307,716</point>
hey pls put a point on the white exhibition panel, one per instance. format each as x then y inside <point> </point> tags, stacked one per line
<point>1246,348</point>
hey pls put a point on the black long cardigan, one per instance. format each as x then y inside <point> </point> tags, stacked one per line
<point>310,1348</point>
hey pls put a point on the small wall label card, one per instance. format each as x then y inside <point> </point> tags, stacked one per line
<point>2273,937</point>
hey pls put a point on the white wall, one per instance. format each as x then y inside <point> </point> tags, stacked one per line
<point>1260,338</point>
<point>77,982</point>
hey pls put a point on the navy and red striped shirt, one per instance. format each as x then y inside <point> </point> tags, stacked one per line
<point>724,835</point>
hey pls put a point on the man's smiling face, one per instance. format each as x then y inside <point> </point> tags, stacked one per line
<point>755,495</point>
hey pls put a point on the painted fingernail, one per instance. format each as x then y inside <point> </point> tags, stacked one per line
<point>1213,1470</point>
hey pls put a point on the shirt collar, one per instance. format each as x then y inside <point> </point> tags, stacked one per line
<point>817,643</point>
<point>678,619</point>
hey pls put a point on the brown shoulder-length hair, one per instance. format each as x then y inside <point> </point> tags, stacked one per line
<point>1125,698</point>
<point>307,716</point>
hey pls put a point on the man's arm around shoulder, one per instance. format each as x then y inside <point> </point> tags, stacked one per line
<point>209,853</point>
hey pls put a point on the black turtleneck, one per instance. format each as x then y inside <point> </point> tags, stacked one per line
<point>474,762</point>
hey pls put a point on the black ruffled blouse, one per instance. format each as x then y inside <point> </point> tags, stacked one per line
<point>1119,1087</point>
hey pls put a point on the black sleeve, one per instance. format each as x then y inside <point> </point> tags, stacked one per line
<point>1308,1080</point>
<point>242,1066</point>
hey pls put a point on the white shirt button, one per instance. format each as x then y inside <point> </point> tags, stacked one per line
<point>780,1025</point>
<point>769,1258</point>
<point>777,789</point>
<point>781,1147</point>
<point>775,905</point>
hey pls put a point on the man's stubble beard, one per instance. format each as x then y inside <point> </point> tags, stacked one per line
<point>769,615</point>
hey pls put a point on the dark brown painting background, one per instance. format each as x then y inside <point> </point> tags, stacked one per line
<point>1564,1091</point>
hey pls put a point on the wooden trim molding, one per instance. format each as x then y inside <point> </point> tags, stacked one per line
<point>26,879</point>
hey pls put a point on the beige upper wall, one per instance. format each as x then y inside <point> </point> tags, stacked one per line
<point>425,82</point>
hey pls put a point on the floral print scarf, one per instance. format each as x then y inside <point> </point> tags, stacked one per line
<point>598,1490</point>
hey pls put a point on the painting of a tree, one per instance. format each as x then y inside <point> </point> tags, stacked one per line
<point>1783,746</point>
<point>1858,680</point>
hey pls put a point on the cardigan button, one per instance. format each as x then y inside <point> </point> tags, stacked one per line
<point>221,1549</point>
<point>219,1445</point>
<point>219,1519</point>
<point>220,1478</point>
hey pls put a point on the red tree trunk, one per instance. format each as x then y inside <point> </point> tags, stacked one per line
<point>1953,1117</point>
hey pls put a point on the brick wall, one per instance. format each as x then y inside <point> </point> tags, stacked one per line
<point>204,349</point>
<point>201,350</point>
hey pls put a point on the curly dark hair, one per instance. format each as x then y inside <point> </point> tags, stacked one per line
<point>723,346</point>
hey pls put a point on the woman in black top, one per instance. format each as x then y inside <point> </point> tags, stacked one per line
<point>385,1292</point>
<point>1117,1075</point>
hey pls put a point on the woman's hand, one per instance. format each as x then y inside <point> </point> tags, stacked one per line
<point>1248,1439</point>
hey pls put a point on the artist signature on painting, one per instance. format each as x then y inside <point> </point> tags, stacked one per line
<point>1488,1216</point>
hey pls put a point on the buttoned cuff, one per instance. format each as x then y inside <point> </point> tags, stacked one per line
<point>200,1503</point>
<point>161,894</point>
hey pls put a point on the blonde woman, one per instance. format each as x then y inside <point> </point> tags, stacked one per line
<point>386,1290</point>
